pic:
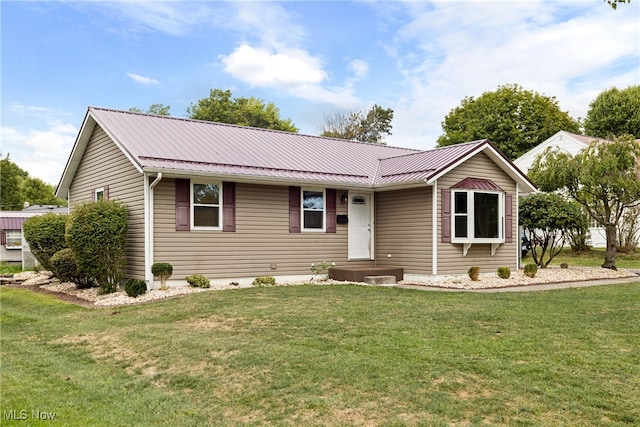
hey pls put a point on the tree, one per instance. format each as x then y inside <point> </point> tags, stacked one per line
<point>370,126</point>
<point>549,220</point>
<point>220,107</point>
<point>514,119</point>
<point>604,178</point>
<point>159,109</point>
<point>614,3</point>
<point>11,181</point>
<point>17,187</point>
<point>38,192</point>
<point>613,113</point>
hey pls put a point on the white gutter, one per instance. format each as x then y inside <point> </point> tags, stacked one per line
<point>148,226</point>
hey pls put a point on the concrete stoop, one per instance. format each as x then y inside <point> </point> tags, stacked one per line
<point>380,280</point>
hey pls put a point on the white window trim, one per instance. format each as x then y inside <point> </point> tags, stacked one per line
<point>192,205</point>
<point>471,215</point>
<point>98,191</point>
<point>324,210</point>
<point>13,247</point>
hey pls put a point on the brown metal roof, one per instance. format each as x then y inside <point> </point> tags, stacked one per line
<point>198,146</point>
<point>477,184</point>
<point>182,146</point>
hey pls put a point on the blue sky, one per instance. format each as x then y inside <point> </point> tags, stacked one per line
<point>310,58</point>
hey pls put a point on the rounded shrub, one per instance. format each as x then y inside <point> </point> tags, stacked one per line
<point>263,281</point>
<point>64,267</point>
<point>198,281</point>
<point>163,271</point>
<point>474,273</point>
<point>45,235</point>
<point>564,265</point>
<point>530,270</point>
<point>135,287</point>
<point>504,272</point>
<point>97,234</point>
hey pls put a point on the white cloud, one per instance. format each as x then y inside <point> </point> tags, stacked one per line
<point>464,49</point>
<point>42,153</point>
<point>173,17</point>
<point>142,79</point>
<point>359,68</point>
<point>263,68</point>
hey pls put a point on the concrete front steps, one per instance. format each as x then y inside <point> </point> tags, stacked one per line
<point>381,275</point>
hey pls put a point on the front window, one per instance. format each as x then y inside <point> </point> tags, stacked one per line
<point>205,205</point>
<point>14,239</point>
<point>478,216</point>
<point>313,210</point>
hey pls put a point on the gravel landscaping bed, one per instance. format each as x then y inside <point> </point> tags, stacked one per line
<point>89,297</point>
<point>543,276</point>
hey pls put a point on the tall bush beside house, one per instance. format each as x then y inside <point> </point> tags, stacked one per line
<point>45,235</point>
<point>97,234</point>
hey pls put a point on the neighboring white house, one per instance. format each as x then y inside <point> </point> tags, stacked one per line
<point>572,144</point>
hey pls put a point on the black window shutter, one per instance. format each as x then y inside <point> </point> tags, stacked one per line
<point>229,206</point>
<point>183,201</point>
<point>331,210</point>
<point>445,217</point>
<point>294,210</point>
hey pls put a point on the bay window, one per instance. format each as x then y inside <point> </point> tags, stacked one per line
<point>477,216</point>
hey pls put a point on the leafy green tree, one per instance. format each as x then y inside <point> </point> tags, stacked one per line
<point>614,3</point>
<point>97,234</point>
<point>159,109</point>
<point>17,187</point>
<point>365,126</point>
<point>548,220</point>
<point>11,181</point>
<point>613,113</point>
<point>221,107</point>
<point>38,192</point>
<point>514,119</point>
<point>604,178</point>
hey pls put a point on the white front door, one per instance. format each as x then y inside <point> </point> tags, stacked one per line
<point>359,226</point>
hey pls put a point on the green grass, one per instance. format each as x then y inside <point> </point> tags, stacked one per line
<point>327,355</point>
<point>6,268</point>
<point>593,258</point>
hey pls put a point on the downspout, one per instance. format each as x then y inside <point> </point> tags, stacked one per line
<point>434,229</point>
<point>148,229</point>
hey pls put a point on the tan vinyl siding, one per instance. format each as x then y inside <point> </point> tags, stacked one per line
<point>403,224</point>
<point>450,259</point>
<point>261,239</point>
<point>104,165</point>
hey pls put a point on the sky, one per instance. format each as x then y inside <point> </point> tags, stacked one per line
<point>310,58</point>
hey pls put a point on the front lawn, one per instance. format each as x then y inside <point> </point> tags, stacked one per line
<point>326,355</point>
<point>592,258</point>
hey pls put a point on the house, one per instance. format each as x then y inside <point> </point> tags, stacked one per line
<point>572,144</point>
<point>234,202</point>
<point>12,247</point>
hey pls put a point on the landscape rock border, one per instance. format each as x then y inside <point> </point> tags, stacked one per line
<point>45,282</point>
